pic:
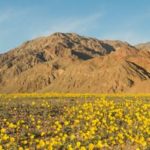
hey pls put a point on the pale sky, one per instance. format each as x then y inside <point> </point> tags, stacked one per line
<point>21,20</point>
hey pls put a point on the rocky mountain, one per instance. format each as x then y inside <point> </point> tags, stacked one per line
<point>144,46</point>
<point>67,62</point>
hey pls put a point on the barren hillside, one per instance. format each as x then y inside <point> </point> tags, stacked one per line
<point>67,62</point>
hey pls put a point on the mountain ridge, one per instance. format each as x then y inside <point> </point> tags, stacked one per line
<point>68,62</point>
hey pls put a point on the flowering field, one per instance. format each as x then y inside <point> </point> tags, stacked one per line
<point>80,122</point>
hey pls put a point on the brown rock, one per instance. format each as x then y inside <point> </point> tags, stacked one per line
<point>67,62</point>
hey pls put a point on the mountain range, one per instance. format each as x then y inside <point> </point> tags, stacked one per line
<point>68,62</point>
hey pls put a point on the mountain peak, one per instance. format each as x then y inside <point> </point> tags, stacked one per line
<point>68,62</point>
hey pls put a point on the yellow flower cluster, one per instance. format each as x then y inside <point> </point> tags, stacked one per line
<point>68,95</point>
<point>79,124</point>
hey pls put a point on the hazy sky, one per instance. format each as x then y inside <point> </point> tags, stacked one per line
<point>21,20</point>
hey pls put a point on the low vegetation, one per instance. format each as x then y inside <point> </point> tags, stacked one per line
<point>74,121</point>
